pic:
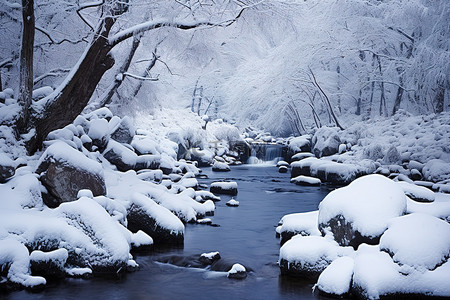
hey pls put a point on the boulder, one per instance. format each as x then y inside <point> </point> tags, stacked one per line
<point>220,166</point>
<point>7,167</point>
<point>282,169</point>
<point>417,193</point>
<point>308,256</point>
<point>124,131</point>
<point>222,187</point>
<point>360,212</point>
<point>209,258</point>
<point>304,224</point>
<point>306,180</point>
<point>242,148</point>
<point>148,161</point>
<point>64,171</point>
<point>299,144</point>
<point>392,156</point>
<point>325,142</point>
<point>49,264</point>
<point>237,271</point>
<point>122,157</point>
<point>336,279</point>
<point>155,220</point>
<point>99,133</point>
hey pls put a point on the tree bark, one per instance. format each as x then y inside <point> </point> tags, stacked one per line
<point>439,99</point>
<point>26,65</point>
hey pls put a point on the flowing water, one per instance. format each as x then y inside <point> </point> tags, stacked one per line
<point>246,235</point>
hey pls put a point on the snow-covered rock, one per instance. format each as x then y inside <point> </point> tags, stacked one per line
<point>233,203</point>
<point>360,212</point>
<point>237,271</point>
<point>417,193</point>
<point>306,180</point>
<point>282,169</point>
<point>64,171</point>
<point>223,187</point>
<point>157,221</point>
<point>220,166</point>
<point>209,258</point>
<point>336,279</point>
<point>308,256</point>
<point>99,133</point>
<point>326,142</point>
<point>301,155</point>
<point>121,156</point>
<point>298,223</point>
<point>436,170</point>
<point>282,163</point>
<point>49,264</point>
<point>7,167</point>
<point>417,242</point>
<point>124,131</point>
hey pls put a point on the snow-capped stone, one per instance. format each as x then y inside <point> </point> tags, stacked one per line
<point>336,279</point>
<point>232,202</point>
<point>308,256</point>
<point>325,142</point>
<point>205,195</point>
<point>220,166</point>
<point>417,241</point>
<point>436,170</point>
<point>7,167</point>
<point>282,169</point>
<point>48,264</point>
<point>237,271</point>
<point>120,156</point>
<point>64,171</point>
<point>306,180</point>
<point>145,145</point>
<point>417,193</point>
<point>99,133</point>
<point>360,212</point>
<point>223,187</point>
<point>209,258</point>
<point>282,163</point>
<point>148,161</point>
<point>141,239</point>
<point>85,193</point>
<point>157,221</point>
<point>299,144</point>
<point>392,156</point>
<point>298,223</point>
<point>124,131</point>
<point>301,155</point>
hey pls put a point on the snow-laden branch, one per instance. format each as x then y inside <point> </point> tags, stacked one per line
<point>55,72</point>
<point>85,6</point>
<point>12,5</point>
<point>139,77</point>
<point>154,24</point>
<point>52,41</point>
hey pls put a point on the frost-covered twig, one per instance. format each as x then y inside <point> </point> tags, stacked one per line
<point>54,72</point>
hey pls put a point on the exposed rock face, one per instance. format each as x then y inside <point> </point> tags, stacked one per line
<point>64,171</point>
<point>326,142</point>
<point>7,167</point>
<point>242,148</point>
<point>124,132</point>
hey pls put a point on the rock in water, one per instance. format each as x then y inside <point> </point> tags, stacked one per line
<point>223,187</point>
<point>232,202</point>
<point>237,271</point>
<point>360,212</point>
<point>64,171</point>
<point>209,258</point>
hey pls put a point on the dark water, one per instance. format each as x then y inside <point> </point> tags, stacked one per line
<point>246,235</point>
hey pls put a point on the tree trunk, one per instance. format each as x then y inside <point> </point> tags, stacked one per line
<point>26,65</point>
<point>398,98</point>
<point>439,99</point>
<point>75,95</point>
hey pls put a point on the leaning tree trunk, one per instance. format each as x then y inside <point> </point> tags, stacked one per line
<point>26,65</point>
<point>74,96</point>
<point>439,98</point>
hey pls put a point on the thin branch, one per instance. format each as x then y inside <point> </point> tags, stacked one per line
<point>55,72</point>
<point>127,33</point>
<point>88,5</point>
<point>6,63</point>
<point>139,77</point>
<point>52,41</point>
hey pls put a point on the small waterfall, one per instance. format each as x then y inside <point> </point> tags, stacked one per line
<point>265,153</point>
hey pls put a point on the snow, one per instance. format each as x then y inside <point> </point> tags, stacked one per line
<point>368,203</point>
<point>225,185</point>
<point>439,209</point>
<point>300,223</point>
<point>220,166</point>
<point>16,255</point>
<point>61,152</point>
<point>315,251</point>
<point>59,255</point>
<point>306,180</point>
<point>211,255</point>
<point>417,192</point>
<point>417,241</point>
<point>140,238</point>
<point>78,272</point>
<point>237,268</point>
<point>298,143</point>
<point>98,129</point>
<point>301,155</point>
<point>436,170</point>
<point>337,277</point>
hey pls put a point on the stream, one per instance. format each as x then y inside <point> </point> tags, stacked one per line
<point>246,235</point>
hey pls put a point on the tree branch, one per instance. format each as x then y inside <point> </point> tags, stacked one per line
<point>54,72</point>
<point>88,5</point>
<point>127,33</point>
<point>139,77</point>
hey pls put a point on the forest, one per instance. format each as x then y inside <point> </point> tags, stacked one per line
<point>121,122</point>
